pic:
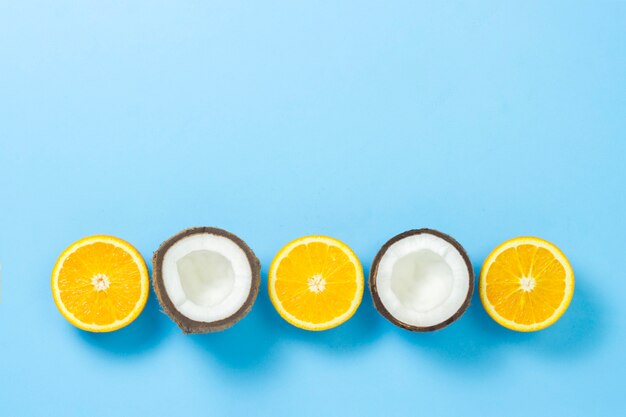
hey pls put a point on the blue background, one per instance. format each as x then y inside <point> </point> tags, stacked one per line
<point>275,119</point>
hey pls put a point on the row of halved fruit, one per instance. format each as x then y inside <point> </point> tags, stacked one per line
<point>207,279</point>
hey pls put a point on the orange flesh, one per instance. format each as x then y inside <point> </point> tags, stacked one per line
<point>316,261</point>
<point>506,294</point>
<point>80,296</point>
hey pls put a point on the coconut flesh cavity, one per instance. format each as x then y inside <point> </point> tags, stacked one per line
<point>422,280</point>
<point>206,279</point>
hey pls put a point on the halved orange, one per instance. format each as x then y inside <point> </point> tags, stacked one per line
<point>526,284</point>
<point>100,283</point>
<point>316,282</point>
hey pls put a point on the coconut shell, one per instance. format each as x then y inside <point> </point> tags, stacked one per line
<point>374,271</point>
<point>187,325</point>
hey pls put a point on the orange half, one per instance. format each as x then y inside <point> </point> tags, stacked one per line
<point>100,283</point>
<point>526,284</point>
<point>316,282</point>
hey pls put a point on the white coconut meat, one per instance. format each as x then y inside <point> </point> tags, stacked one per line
<point>423,279</point>
<point>207,277</point>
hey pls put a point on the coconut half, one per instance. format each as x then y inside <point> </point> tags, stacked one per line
<point>206,279</point>
<point>421,280</point>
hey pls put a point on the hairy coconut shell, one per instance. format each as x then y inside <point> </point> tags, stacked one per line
<point>186,324</point>
<point>374,271</point>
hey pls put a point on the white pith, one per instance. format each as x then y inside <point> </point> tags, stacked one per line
<point>527,283</point>
<point>422,280</point>
<point>316,283</point>
<point>100,282</point>
<point>207,277</point>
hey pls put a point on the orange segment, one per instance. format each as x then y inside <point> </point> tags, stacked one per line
<point>526,284</point>
<point>100,283</point>
<point>316,282</point>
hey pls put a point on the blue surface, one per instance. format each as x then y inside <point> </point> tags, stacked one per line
<point>275,119</point>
